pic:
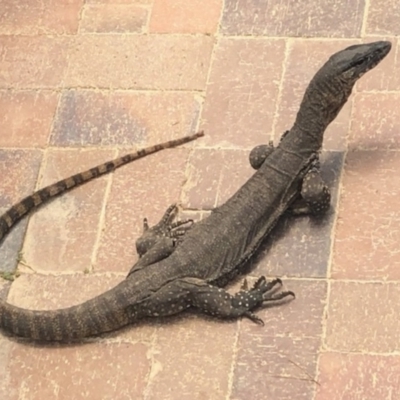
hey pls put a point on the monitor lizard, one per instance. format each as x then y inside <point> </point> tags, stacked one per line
<point>187,267</point>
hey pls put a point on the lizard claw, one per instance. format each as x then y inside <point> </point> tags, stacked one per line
<point>278,296</point>
<point>180,222</point>
<point>253,317</point>
<point>245,285</point>
<point>174,233</point>
<point>260,282</point>
<point>264,286</point>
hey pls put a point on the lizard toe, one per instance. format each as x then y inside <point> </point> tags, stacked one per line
<point>278,296</point>
<point>253,317</point>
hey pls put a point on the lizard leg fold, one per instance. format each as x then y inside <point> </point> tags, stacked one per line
<point>193,292</point>
<point>163,248</point>
<point>315,195</point>
<point>260,153</point>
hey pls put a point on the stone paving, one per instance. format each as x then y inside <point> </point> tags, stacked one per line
<point>84,81</point>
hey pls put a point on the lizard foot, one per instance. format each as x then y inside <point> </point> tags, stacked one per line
<point>166,228</point>
<point>268,289</point>
<point>261,292</point>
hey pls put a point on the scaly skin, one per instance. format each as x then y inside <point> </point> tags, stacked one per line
<point>177,273</point>
<point>31,325</point>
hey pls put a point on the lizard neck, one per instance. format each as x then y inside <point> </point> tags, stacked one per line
<point>321,103</point>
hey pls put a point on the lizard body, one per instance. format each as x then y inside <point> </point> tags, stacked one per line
<point>182,268</point>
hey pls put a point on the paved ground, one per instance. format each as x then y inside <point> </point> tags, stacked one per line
<point>84,81</point>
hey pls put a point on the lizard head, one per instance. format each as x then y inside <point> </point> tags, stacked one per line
<point>331,86</point>
<point>335,80</point>
<point>353,62</point>
<point>339,74</point>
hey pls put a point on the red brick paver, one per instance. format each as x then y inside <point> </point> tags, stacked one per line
<point>181,16</point>
<point>367,234</point>
<point>184,67</point>
<point>244,75</point>
<point>315,18</point>
<point>383,17</point>
<point>84,81</point>
<point>118,18</point>
<point>38,17</point>
<point>27,117</point>
<point>358,376</point>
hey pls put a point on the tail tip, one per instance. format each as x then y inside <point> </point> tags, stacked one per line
<point>198,134</point>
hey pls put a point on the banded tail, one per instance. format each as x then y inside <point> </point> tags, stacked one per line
<point>101,314</point>
<point>31,202</point>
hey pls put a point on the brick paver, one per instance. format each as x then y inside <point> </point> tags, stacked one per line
<point>27,117</point>
<point>181,16</point>
<point>316,18</point>
<point>358,376</point>
<point>367,236</point>
<point>84,81</point>
<point>35,62</point>
<point>245,74</point>
<point>38,17</point>
<point>118,18</point>
<point>184,67</point>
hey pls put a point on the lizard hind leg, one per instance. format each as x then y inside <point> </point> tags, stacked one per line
<point>193,292</point>
<point>218,302</point>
